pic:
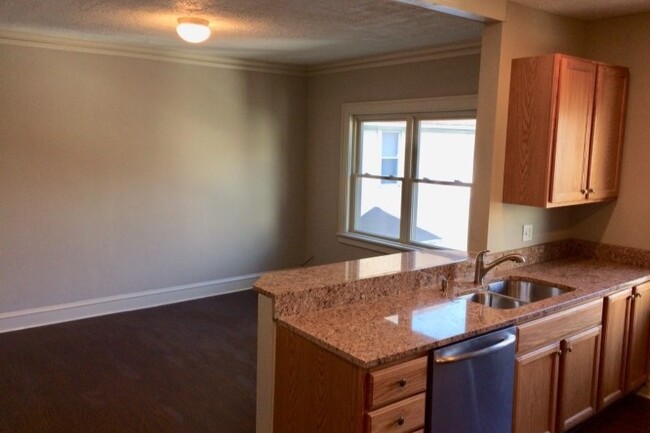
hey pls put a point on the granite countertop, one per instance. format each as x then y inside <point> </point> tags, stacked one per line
<point>371,332</point>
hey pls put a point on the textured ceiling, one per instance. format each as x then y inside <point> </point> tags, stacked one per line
<point>304,32</point>
<point>589,9</point>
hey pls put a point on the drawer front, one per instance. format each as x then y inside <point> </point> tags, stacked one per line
<point>397,382</point>
<point>558,326</point>
<point>404,416</point>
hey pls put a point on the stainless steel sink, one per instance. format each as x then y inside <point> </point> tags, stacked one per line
<point>493,300</point>
<point>526,291</point>
<point>506,294</point>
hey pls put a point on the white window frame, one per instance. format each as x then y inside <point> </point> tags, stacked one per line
<point>452,106</point>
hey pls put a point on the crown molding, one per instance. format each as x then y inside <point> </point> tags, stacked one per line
<point>404,57</point>
<point>8,37</point>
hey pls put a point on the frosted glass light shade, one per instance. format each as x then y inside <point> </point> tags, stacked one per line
<point>193,30</point>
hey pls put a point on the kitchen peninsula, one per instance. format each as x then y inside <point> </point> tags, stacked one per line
<point>328,333</point>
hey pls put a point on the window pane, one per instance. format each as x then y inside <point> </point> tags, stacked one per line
<point>446,151</point>
<point>442,216</point>
<point>379,140</point>
<point>389,167</point>
<point>378,212</point>
<point>389,144</point>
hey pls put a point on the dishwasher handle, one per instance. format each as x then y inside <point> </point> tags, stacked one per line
<point>506,341</point>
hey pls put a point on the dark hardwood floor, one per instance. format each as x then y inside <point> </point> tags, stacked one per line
<point>630,415</point>
<point>188,367</point>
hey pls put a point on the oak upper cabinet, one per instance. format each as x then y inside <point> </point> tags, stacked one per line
<point>556,370</point>
<point>626,332</point>
<point>565,131</point>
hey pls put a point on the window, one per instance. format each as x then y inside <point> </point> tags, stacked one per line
<point>407,174</point>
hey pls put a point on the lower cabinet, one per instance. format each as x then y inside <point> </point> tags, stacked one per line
<point>626,336</point>
<point>578,378</point>
<point>317,391</point>
<point>556,373</point>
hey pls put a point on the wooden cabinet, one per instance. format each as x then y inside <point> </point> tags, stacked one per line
<point>616,315</point>
<point>317,391</point>
<point>637,362</point>
<point>565,131</point>
<point>537,374</point>
<point>578,378</point>
<point>396,397</point>
<point>626,335</point>
<point>556,372</point>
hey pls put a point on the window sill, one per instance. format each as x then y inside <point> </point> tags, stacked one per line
<point>374,244</point>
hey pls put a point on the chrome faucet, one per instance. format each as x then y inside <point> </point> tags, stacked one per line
<point>482,269</point>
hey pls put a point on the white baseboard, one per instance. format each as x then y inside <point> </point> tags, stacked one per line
<point>48,315</point>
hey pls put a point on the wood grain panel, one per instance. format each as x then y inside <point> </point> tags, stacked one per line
<point>578,378</point>
<point>616,310</point>
<point>404,416</point>
<point>530,130</point>
<point>637,372</point>
<point>557,326</point>
<point>315,390</point>
<point>536,383</point>
<point>397,382</point>
<point>607,133</point>
<point>573,130</point>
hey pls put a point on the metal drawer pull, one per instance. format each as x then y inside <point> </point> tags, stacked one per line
<point>402,382</point>
<point>400,420</point>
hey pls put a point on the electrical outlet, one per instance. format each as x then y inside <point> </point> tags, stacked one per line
<point>527,232</point>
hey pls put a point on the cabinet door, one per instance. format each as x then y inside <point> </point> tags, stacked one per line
<point>611,384</point>
<point>578,378</point>
<point>637,371</point>
<point>575,100</point>
<point>536,382</point>
<point>607,132</point>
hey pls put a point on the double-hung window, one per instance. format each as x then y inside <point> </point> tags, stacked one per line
<point>407,172</point>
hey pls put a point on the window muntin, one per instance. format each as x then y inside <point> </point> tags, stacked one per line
<point>425,200</point>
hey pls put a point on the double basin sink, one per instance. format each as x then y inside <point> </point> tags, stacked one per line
<point>506,294</point>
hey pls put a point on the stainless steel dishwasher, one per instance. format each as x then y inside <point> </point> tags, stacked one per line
<point>471,384</point>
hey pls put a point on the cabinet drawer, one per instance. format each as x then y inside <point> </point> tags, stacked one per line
<point>394,383</point>
<point>557,326</point>
<point>404,416</point>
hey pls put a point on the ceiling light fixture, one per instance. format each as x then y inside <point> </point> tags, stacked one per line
<point>193,30</point>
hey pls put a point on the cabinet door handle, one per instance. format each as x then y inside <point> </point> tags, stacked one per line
<point>583,191</point>
<point>400,420</point>
<point>558,353</point>
<point>637,295</point>
<point>629,298</point>
<point>402,382</point>
<point>569,349</point>
<point>591,191</point>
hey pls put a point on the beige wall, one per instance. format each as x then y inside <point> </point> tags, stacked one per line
<point>625,41</point>
<point>120,175</point>
<point>526,32</point>
<point>326,94</point>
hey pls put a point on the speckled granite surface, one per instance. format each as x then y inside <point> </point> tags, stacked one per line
<point>303,290</point>
<point>382,318</point>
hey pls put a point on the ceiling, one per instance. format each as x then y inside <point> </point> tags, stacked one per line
<point>300,32</point>
<point>305,32</point>
<point>589,9</point>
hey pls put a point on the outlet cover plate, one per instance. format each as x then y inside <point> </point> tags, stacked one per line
<point>527,233</point>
